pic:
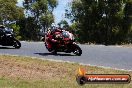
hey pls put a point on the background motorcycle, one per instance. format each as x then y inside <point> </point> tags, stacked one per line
<point>66,43</point>
<point>7,38</point>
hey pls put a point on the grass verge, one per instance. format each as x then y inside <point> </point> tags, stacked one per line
<point>26,72</point>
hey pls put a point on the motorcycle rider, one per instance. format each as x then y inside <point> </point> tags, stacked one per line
<point>1,30</point>
<point>52,41</point>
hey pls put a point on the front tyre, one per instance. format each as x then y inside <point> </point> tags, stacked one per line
<point>17,44</point>
<point>50,50</point>
<point>77,50</point>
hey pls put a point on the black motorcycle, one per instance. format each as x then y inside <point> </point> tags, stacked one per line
<point>7,38</point>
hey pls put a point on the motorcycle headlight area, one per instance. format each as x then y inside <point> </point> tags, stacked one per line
<point>73,38</point>
<point>58,36</point>
<point>8,34</point>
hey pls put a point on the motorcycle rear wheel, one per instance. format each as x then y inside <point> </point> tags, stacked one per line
<point>77,50</point>
<point>17,44</point>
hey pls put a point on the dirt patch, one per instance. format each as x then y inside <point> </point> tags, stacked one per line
<point>124,45</point>
<point>128,45</point>
<point>11,67</point>
<point>36,69</point>
<point>26,72</point>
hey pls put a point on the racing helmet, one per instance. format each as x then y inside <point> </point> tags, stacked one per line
<point>53,26</point>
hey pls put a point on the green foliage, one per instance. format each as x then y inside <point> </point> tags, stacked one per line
<point>46,19</point>
<point>42,10</point>
<point>16,28</point>
<point>63,24</point>
<point>127,23</point>
<point>40,18</point>
<point>39,7</point>
<point>101,21</point>
<point>9,11</point>
<point>28,28</point>
<point>52,4</point>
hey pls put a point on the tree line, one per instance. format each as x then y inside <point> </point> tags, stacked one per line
<point>92,21</point>
<point>102,21</point>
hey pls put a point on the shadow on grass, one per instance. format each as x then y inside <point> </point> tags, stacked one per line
<point>58,54</point>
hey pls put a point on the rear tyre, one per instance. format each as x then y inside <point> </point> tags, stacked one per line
<point>77,50</point>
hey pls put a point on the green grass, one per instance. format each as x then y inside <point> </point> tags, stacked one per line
<point>26,72</point>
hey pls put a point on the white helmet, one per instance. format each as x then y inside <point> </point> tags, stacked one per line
<point>53,26</point>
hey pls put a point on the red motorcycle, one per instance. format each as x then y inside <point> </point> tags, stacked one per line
<point>65,43</point>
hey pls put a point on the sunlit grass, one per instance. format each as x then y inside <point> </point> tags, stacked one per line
<point>27,72</point>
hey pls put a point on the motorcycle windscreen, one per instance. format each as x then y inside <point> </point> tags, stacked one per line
<point>68,35</point>
<point>65,34</point>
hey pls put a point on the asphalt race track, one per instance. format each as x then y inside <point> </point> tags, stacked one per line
<point>107,56</point>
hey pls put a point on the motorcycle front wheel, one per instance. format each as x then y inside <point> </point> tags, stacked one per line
<point>17,44</point>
